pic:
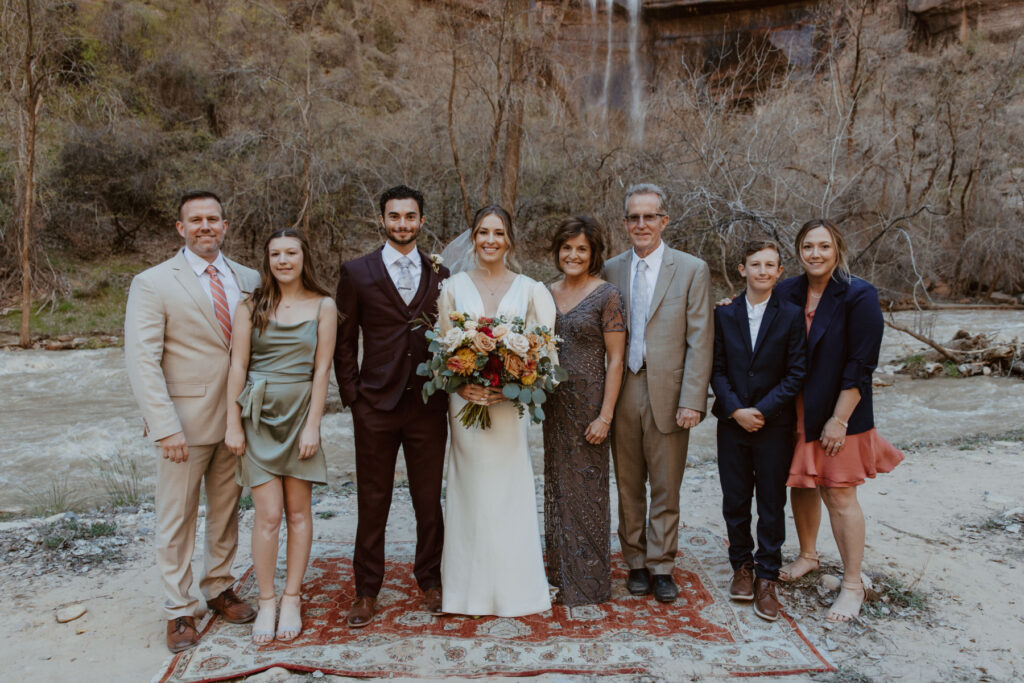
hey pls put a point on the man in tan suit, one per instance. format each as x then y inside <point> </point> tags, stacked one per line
<point>664,395</point>
<point>177,333</point>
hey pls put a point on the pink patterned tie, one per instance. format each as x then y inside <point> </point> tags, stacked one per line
<point>220,302</point>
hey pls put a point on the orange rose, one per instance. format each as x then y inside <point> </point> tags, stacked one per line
<point>483,343</point>
<point>514,365</point>
<point>535,341</point>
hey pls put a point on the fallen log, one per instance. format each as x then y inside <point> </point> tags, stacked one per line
<point>946,353</point>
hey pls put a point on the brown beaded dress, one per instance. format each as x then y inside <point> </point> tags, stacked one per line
<point>577,521</point>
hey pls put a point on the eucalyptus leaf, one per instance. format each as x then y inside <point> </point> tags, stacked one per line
<point>560,373</point>
<point>510,391</point>
<point>539,396</point>
<point>525,395</point>
<point>423,370</point>
<point>538,414</point>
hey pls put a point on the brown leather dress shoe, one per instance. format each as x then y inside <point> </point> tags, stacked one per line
<point>181,634</point>
<point>362,611</point>
<point>432,600</point>
<point>233,610</point>
<point>766,602</point>
<point>742,586</point>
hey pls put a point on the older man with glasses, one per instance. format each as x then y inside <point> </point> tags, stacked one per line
<point>664,395</point>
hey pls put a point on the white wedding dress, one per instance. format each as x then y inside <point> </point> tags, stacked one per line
<point>492,561</point>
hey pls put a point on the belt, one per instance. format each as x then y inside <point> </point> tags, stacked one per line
<point>251,398</point>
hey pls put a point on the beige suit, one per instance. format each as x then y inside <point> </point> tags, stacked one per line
<point>647,443</point>
<point>178,361</point>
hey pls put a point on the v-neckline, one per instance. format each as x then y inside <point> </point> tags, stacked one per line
<point>577,304</point>
<point>480,298</point>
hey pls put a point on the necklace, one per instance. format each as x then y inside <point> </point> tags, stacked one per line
<point>815,296</point>
<point>493,290</point>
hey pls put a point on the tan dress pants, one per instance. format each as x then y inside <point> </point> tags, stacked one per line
<point>177,507</point>
<point>640,452</point>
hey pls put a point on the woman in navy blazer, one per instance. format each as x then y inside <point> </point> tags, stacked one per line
<point>837,446</point>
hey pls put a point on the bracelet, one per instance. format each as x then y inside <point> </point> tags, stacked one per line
<point>601,418</point>
<point>846,425</point>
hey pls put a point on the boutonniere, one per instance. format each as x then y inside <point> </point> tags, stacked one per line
<point>436,261</point>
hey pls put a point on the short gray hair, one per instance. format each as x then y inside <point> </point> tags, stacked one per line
<point>644,188</point>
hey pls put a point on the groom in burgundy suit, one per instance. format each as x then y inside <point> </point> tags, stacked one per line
<point>382,294</point>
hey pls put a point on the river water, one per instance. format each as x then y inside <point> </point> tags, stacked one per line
<point>63,414</point>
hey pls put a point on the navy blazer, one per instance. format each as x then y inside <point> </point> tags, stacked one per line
<point>767,375</point>
<point>842,349</point>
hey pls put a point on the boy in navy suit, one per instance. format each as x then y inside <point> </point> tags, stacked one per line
<point>759,367</point>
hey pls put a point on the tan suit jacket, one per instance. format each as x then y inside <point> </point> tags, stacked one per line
<point>176,354</point>
<point>679,336</point>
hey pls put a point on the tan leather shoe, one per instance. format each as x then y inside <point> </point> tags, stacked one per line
<point>742,586</point>
<point>766,602</point>
<point>362,611</point>
<point>233,610</point>
<point>432,600</point>
<point>181,634</point>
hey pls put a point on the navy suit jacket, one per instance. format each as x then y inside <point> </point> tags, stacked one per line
<point>842,349</point>
<point>767,375</point>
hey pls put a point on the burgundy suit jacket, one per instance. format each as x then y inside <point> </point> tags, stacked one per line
<point>393,343</point>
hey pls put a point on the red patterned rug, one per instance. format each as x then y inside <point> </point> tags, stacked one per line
<point>702,634</point>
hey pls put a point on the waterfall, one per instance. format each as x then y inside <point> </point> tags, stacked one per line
<point>636,113</point>
<point>610,10</point>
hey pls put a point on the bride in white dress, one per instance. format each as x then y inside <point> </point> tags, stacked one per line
<point>492,561</point>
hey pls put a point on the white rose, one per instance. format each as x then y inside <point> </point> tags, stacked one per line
<point>453,339</point>
<point>500,331</point>
<point>516,343</point>
<point>471,325</point>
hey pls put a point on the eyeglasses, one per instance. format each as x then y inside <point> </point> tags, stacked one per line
<point>636,218</point>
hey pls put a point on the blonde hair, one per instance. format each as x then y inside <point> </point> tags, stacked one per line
<point>842,267</point>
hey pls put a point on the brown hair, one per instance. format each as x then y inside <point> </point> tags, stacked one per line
<point>842,266</point>
<point>754,246</point>
<point>267,296</point>
<point>580,225</point>
<point>506,219</point>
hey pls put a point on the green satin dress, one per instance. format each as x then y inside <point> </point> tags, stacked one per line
<point>275,405</point>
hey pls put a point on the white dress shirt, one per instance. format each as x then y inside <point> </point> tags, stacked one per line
<point>653,261</point>
<point>227,278</point>
<point>391,257</point>
<point>755,313</point>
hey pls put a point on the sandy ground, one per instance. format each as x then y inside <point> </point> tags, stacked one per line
<point>936,524</point>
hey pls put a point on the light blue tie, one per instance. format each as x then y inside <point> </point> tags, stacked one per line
<point>638,296</point>
<point>405,286</point>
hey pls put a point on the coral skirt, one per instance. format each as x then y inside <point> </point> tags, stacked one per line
<point>862,455</point>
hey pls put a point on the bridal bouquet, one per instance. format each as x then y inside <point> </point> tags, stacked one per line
<point>497,353</point>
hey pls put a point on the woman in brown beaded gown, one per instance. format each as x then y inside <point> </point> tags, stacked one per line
<point>591,322</point>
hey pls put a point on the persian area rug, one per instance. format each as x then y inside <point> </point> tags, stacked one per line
<point>702,634</point>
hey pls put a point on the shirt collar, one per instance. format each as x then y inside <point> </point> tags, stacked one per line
<point>653,259</point>
<point>757,308</point>
<point>198,264</point>
<point>390,255</point>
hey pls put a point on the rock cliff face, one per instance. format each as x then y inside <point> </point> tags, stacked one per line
<point>939,20</point>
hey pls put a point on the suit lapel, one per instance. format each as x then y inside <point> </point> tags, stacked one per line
<point>742,321</point>
<point>770,312</point>
<point>190,283</point>
<point>427,279</point>
<point>665,275</point>
<point>823,314</point>
<point>242,287</point>
<point>383,279</point>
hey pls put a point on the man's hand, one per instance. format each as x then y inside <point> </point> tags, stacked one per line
<point>750,419</point>
<point>174,447</point>
<point>687,418</point>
